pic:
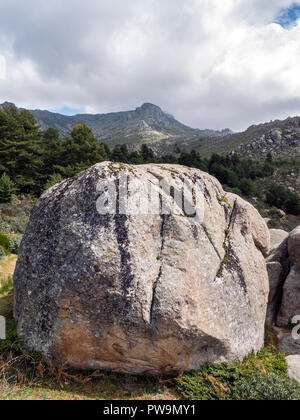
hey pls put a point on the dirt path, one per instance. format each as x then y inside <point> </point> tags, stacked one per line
<point>7,266</point>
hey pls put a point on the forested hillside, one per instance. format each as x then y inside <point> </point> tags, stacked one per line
<point>31,160</point>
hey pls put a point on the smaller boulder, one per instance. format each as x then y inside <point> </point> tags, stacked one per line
<point>290,305</point>
<point>288,345</point>
<point>276,279</point>
<point>294,246</point>
<point>277,237</point>
<point>293,363</point>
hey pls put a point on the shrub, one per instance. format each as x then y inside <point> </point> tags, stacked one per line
<point>6,286</point>
<point>274,212</point>
<point>2,252</point>
<point>4,242</point>
<point>13,246</point>
<point>292,204</point>
<point>213,382</point>
<point>283,198</point>
<point>227,382</point>
<point>269,386</point>
<point>247,186</point>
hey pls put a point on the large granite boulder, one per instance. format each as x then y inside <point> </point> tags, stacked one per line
<point>142,292</point>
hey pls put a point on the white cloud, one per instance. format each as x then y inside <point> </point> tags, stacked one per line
<point>210,63</point>
<point>2,68</point>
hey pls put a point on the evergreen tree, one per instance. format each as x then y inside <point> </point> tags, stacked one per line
<point>81,150</point>
<point>7,189</point>
<point>120,154</point>
<point>247,186</point>
<point>53,148</point>
<point>292,204</point>
<point>147,154</point>
<point>20,148</point>
<point>53,180</point>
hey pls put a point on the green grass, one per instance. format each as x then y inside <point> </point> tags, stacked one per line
<point>6,285</point>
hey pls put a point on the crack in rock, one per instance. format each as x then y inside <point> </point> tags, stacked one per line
<point>162,234</point>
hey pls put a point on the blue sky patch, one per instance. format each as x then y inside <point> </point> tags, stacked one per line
<point>288,16</point>
<point>66,110</point>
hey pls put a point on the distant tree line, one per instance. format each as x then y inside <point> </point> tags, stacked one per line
<point>32,160</point>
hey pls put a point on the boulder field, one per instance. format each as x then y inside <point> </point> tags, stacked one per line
<point>142,292</point>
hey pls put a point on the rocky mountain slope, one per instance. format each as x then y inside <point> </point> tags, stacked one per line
<point>280,138</point>
<point>147,123</point>
<point>165,135</point>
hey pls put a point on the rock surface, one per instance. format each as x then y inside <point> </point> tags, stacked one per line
<point>293,363</point>
<point>277,237</point>
<point>287,345</point>
<point>141,294</point>
<point>290,305</point>
<point>276,279</point>
<point>284,277</point>
<point>294,246</point>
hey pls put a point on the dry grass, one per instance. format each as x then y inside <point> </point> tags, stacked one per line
<point>7,267</point>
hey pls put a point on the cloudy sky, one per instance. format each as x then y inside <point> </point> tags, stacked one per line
<point>210,63</point>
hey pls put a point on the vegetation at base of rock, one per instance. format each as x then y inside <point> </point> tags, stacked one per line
<point>271,339</point>
<point>6,287</point>
<point>268,387</point>
<point>15,216</point>
<point>261,376</point>
<point>4,242</point>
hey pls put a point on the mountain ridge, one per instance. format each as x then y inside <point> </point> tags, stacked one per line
<point>147,123</point>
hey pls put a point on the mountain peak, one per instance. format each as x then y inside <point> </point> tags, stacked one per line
<point>6,104</point>
<point>149,108</point>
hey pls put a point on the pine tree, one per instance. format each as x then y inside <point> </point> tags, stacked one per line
<point>7,189</point>
<point>53,147</point>
<point>81,150</point>
<point>53,180</point>
<point>20,148</point>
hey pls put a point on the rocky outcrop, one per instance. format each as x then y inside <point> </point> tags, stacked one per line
<point>280,138</point>
<point>284,276</point>
<point>136,292</point>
